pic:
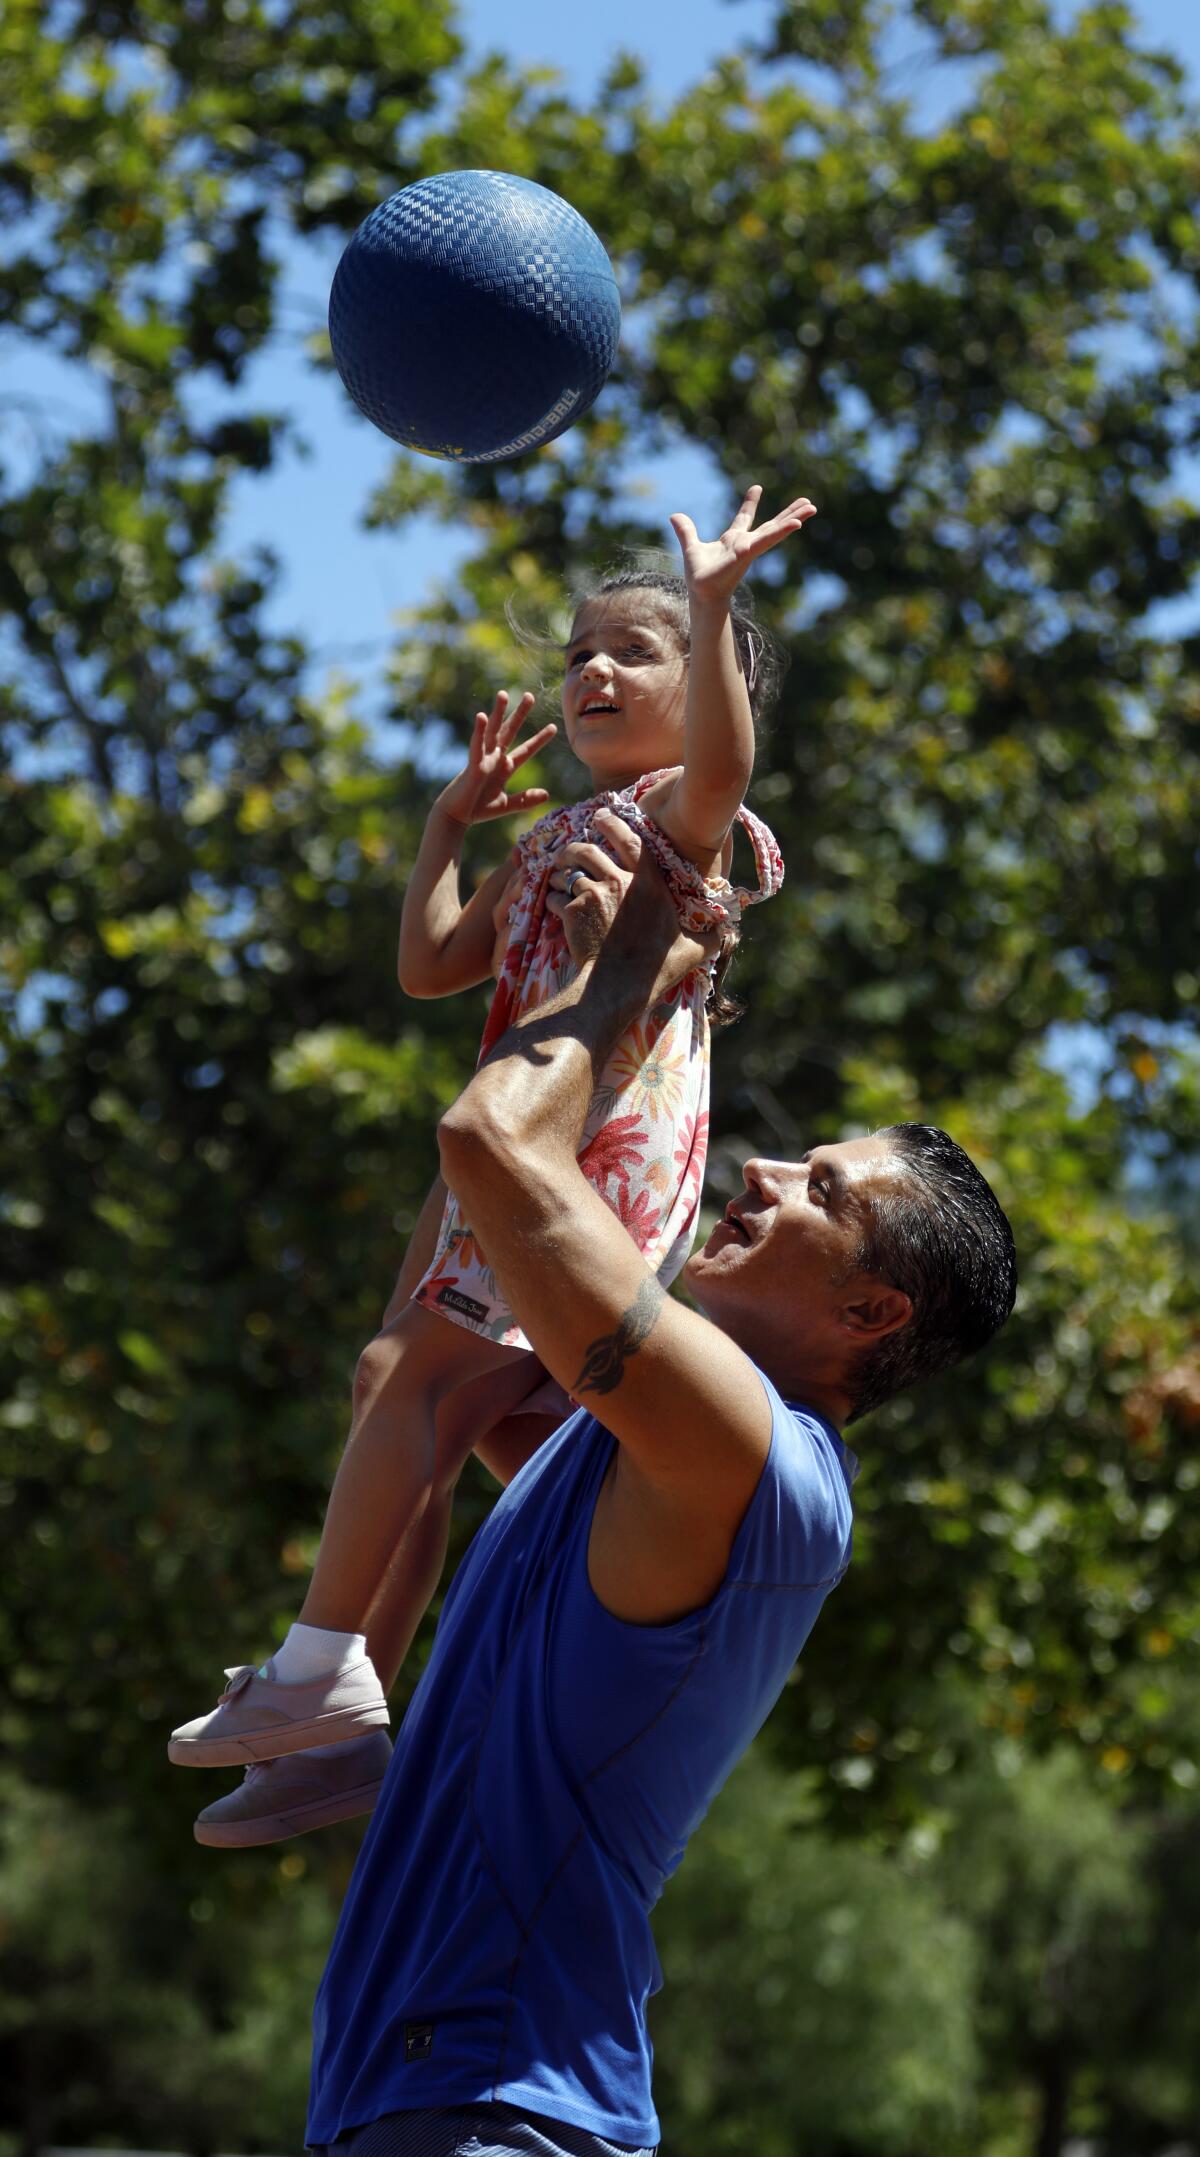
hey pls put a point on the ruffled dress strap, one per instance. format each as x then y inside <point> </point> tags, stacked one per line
<point>703,903</point>
<point>537,847</point>
<point>646,1136</point>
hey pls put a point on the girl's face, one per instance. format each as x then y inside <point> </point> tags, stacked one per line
<point>625,690</point>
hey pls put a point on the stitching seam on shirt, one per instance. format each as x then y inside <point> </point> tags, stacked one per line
<point>792,1587</point>
<point>577,1838</point>
<point>545,1566</point>
<point>549,1560</point>
<point>526,1936</point>
<point>668,1703</point>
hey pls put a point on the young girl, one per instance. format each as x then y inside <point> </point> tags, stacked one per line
<point>663,679</point>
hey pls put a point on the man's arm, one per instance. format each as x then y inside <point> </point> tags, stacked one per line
<point>688,1410</point>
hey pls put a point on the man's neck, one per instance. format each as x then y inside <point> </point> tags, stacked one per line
<point>827,1401</point>
<point>803,1389</point>
<point>792,1375</point>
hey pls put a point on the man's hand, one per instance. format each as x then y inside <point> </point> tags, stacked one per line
<point>690,1414</point>
<point>621,907</point>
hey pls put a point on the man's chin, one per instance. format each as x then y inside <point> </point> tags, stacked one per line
<point>723,1238</point>
<point>711,1261</point>
<point>694,1272</point>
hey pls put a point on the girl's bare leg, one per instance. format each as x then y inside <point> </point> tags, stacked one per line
<point>418,1255</point>
<point>408,1589</point>
<point>388,1468</point>
<point>504,1440</point>
<point>514,1439</point>
<point>478,1414</point>
<point>474,1416</point>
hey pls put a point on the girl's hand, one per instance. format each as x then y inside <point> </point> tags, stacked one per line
<point>714,568</point>
<point>478,793</point>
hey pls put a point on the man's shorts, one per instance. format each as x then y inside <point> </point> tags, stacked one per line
<point>473,2131</point>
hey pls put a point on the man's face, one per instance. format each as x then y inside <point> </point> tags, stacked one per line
<point>779,1266</point>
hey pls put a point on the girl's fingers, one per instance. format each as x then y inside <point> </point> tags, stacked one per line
<point>530,748</point>
<point>529,797</point>
<point>799,509</point>
<point>795,514</point>
<point>790,520</point>
<point>511,727</point>
<point>496,716</point>
<point>741,530</point>
<point>746,514</point>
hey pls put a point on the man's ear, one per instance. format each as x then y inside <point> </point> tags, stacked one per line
<point>874,1311</point>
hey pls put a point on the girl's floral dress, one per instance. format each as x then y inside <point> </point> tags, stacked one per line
<point>646,1136</point>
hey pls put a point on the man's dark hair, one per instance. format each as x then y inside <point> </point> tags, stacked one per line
<point>943,1239</point>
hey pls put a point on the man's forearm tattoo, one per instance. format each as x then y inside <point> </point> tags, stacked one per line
<point>604,1363</point>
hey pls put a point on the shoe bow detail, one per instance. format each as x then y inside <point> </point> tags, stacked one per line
<point>239,1678</point>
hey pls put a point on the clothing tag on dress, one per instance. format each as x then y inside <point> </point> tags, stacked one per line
<point>453,1299</point>
<point>418,2040</point>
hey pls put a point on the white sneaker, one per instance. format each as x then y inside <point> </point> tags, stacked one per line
<point>259,1718</point>
<point>280,1798</point>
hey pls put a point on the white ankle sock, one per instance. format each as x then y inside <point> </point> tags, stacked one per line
<point>310,1652</point>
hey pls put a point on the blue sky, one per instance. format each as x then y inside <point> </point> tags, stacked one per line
<point>355,599</point>
<point>343,586</point>
<point>346,586</point>
<point>675,39</point>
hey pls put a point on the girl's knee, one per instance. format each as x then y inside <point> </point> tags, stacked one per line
<point>419,1344</point>
<point>377,1364</point>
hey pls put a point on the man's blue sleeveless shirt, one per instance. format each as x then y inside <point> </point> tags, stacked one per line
<point>495,1942</point>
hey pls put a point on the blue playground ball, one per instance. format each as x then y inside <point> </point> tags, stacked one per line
<point>475,316</point>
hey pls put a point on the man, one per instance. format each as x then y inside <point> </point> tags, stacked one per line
<point>627,1616</point>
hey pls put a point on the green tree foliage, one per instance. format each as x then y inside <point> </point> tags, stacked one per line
<point>781,1950</point>
<point>936,263</point>
<point>1023,1965</point>
<point>200,881</point>
<point>973,339</point>
<point>1061,1910</point>
<point>137,2017</point>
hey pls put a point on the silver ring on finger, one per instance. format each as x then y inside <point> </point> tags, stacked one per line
<point>572,878</point>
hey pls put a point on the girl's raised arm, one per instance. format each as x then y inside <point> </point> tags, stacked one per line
<point>718,754</point>
<point>444,945</point>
